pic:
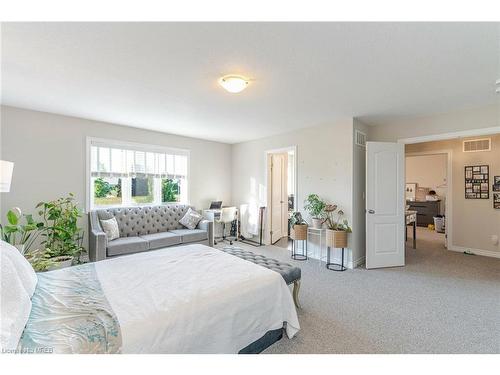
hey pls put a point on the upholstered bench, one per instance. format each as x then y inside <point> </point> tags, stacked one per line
<point>291,274</point>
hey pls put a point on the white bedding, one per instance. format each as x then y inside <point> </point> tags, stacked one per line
<point>194,299</point>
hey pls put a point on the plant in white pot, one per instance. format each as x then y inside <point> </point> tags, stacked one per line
<point>62,236</point>
<point>315,206</point>
<point>21,235</point>
<point>337,227</point>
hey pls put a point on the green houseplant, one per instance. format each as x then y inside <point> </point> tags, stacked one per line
<point>315,206</point>
<point>62,237</point>
<point>21,235</point>
<point>298,226</point>
<point>337,227</point>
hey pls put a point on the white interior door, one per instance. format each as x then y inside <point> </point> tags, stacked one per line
<point>385,205</point>
<point>279,199</point>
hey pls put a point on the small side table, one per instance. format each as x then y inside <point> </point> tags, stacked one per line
<point>321,233</point>
<point>334,266</point>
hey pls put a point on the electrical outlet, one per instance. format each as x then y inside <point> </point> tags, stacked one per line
<point>494,239</point>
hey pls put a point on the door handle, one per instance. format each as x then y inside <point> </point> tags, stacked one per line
<point>371,211</point>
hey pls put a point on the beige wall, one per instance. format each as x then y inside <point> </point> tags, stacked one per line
<point>324,163</point>
<point>478,118</point>
<point>474,221</point>
<point>49,155</point>
<point>429,171</point>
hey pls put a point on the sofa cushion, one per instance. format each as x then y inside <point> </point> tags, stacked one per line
<point>191,235</point>
<point>127,245</point>
<point>162,239</point>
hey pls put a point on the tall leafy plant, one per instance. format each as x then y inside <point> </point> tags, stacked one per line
<point>315,206</point>
<point>62,235</point>
<point>21,229</point>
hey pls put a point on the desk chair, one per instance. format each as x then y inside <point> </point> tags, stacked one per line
<point>227,216</point>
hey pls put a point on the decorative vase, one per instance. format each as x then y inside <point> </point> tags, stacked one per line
<point>299,232</point>
<point>336,238</point>
<point>61,262</point>
<point>317,223</point>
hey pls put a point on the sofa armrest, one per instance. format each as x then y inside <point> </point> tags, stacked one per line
<point>97,240</point>
<point>209,227</point>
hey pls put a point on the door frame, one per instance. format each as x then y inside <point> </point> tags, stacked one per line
<point>449,194</point>
<point>444,137</point>
<point>267,234</point>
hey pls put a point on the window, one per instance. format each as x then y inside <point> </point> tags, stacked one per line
<point>122,174</point>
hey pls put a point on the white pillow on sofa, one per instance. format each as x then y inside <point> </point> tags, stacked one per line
<point>23,268</point>
<point>110,227</point>
<point>16,303</point>
<point>191,219</point>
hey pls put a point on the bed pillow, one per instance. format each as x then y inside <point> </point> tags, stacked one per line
<point>191,219</point>
<point>22,267</point>
<point>16,304</point>
<point>110,227</point>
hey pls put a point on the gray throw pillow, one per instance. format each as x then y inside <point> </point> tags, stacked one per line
<point>110,227</point>
<point>191,219</point>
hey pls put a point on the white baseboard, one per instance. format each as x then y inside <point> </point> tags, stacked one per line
<point>485,253</point>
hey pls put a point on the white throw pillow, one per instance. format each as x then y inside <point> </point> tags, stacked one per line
<point>110,227</point>
<point>191,219</point>
<point>23,268</point>
<point>16,304</point>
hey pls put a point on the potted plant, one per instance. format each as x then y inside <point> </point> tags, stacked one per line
<point>315,206</point>
<point>62,235</point>
<point>299,227</point>
<point>336,234</point>
<point>41,260</point>
<point>22,236</point>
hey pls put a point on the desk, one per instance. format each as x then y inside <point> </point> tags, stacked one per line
<point>214,215</point>
<point>411,218</point>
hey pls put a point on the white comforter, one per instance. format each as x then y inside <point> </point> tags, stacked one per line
<point>194,299</point>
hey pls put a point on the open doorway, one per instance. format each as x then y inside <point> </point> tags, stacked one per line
<point>428,193</point>
<point>281,194</point>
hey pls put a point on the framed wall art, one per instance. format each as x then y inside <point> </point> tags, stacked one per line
<point>496,183</point>
<point>477,182</point>
<point>496,201</point>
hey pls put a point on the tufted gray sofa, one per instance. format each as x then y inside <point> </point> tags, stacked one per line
<point>144,228</point>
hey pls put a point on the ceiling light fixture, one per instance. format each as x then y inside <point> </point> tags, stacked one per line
<point>234,83</point>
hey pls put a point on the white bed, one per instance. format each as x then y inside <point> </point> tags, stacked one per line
<point>194,299</point>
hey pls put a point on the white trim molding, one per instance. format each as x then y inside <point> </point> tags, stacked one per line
<point>451,135</point>
<point>484,253</point>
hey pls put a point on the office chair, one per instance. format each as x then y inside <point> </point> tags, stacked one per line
<point>227,216</point>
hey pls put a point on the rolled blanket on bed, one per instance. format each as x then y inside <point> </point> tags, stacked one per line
<point>71,314</point>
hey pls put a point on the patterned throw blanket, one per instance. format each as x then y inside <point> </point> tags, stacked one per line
<point>70,314</point>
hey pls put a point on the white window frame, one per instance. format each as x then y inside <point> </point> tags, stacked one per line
<point>89,188</point>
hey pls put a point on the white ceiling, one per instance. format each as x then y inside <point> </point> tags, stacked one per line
<point>163,76</point>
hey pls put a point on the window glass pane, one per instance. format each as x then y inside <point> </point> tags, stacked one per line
<point>117,161</point>
<point>180,165</point>
<point>142,190</point>
<point>93,159</point>
<point>107,191</point>
<point>140,161</point>
<point>150,163</point>
<point>170,190</point>
<point>104,159</point>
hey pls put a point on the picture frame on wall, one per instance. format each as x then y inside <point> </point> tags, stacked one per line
<point>477,182</point>
<point>496,201</point>
<point>411,189</point>
<point>496,183</point>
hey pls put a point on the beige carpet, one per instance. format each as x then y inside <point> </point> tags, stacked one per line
<point>440,302</point>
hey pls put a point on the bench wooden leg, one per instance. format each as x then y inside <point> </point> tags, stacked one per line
<point>296,288</point>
